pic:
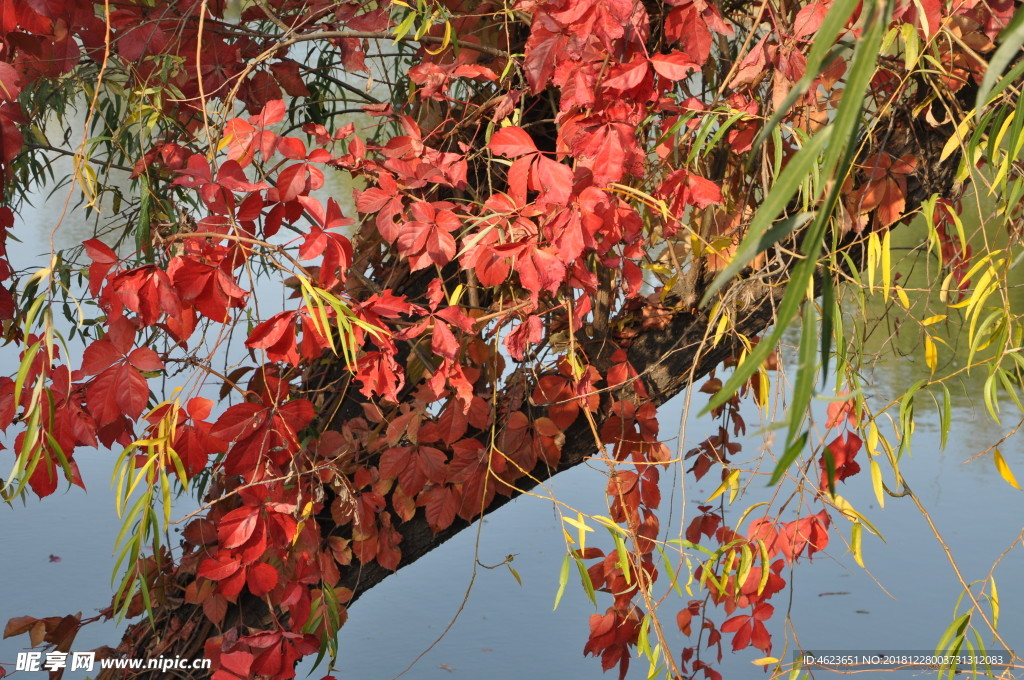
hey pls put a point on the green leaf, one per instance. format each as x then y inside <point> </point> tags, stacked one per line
<point>836,164</point>
<point>993,598</point>
<point>143,241</point>
<point>563,578</point>
<point>828,313</point>
<point>792,451</point>
<point>823,51</point>
<point>763,233</point>
<point>804,384</point>
<point>588,585</point>
<point>623,561</point>
<point>857,79</point>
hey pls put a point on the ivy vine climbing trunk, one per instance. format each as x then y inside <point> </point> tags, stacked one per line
<point>667,352</point>
<point>569,211</point>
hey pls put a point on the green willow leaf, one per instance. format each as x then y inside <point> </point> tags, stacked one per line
<point>763,232</point>
<point>792,451</point>
<point>822,53</point>
<point>836,164</point>
<point>804,384</point>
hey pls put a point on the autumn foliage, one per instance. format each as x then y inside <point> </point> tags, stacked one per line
<point>532,200</point>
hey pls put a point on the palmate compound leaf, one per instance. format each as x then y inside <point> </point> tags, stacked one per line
<point>117,392</point>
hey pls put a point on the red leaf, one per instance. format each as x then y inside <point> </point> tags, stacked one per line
<point>206,286</point>
<point>261,578</point>
<point>512,142</point>
<point>10,82</point>
<point>100,252</point>
<point>842,452</point>
<point>276,335</point>
<point>234,666</point>
<point>627,76</point>
<point>808,19</point>
<point>237,527</point>
<point>218,568</point>
<point>544,50</point>
<point>118,391</point>
<point>238,419</point>
<point>99,356</point>
<point>674,65</point>
<point>145,359</point>
<point>291,147</point>
<point>293,181</point>
<point>838,411</point>
<point>148,292</point>
<point>441,505</point>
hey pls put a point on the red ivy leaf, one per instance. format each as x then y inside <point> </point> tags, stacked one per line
<point>512,142</point>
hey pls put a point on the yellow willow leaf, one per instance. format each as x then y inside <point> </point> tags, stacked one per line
<point>726,483</point>
<point>764,661</point>
<point>763,549</point>
<point>933,319</point>
<point>1004,470</point>
<point>874,256</point>
<point>763,387</point>
<point>876,482</point>
<point>944,289</point>
<point>723,325</point>
<point>844,506</point>
<point>902,295</point>
<point>86,176</point>
<point>977,266</point>
<point>855,544</point>
<point>931,353</point>
<point>957,138</point>
<point>994,599</point>
<point>887,264</point>
<point>445,41</point>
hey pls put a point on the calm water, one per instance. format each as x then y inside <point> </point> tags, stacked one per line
<point>510,631</point>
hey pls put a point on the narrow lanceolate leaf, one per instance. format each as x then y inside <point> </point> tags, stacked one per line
<point>835,165</point>
<point>861,71</point>
<point>945,417</point>
<point>993,597</point>
<point>931,353</point>
<point>729,480</point>
<point>876,482</point>
<point>829,312</point>
<point>1004,469</point>
<point>792,451</point>
<point>804,384</point>
<point>823,51</point>
<point>855,544</point>
<point>765,661</point>
<point>763,232</point>
<point>563,579</point>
